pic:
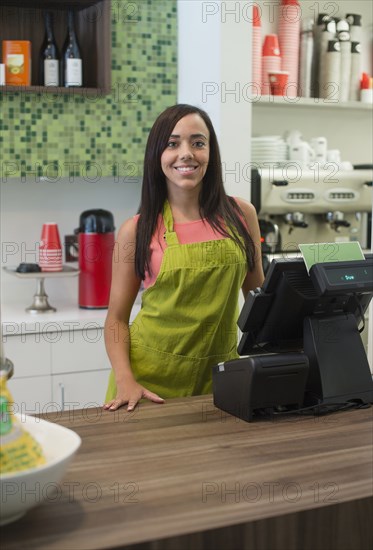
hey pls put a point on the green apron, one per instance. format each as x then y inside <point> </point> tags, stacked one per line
<point>188,319</point>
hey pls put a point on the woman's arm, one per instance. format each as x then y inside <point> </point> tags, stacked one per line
<point>124,288</point>
<point>253,278</point>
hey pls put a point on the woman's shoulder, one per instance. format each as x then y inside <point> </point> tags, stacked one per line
<point>247,207</point>
<point>129,227</point>
<point>127,230</point>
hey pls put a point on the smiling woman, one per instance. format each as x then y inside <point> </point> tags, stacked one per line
<point>184,161</point>
<point>194,248</point>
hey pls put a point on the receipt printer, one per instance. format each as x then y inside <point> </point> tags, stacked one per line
<point>249,386</point>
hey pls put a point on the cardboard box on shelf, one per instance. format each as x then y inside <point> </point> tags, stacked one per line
<point>17,60</point>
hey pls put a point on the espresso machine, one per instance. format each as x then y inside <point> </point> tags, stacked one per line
<point>303,206</point>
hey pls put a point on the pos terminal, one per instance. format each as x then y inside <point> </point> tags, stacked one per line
<point>301,341</point>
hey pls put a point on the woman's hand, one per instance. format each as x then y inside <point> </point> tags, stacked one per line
<point>131,395</point>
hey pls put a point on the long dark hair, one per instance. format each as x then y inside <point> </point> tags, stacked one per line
<point>220,211</point>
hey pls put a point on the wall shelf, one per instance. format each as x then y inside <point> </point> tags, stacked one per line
<point>57,90</point>
<point>311,103</point>
<point>23,20</point>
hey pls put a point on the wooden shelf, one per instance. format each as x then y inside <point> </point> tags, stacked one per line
<point>58,90</point>
<point>68,4</point>
<point>23,20</point>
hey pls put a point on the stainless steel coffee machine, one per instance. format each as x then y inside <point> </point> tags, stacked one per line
<point>297,205</point>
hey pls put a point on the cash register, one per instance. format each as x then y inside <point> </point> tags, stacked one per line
<point>301,346</point>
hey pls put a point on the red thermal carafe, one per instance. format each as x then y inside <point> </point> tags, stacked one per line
<point>95,243</point>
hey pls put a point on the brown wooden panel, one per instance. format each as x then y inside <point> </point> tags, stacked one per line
<point>346,526</point>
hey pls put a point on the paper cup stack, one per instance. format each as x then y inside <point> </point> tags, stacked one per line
<point>257,52</point>
<point>289,29</point>
<point>271,60</point>
<point>50,250</point>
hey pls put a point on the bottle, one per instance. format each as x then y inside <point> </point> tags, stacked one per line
<point>356,30</point>
<point>332,72</point>
<point>328,33</point>
<point>72,61</point>
<point>18,448</point>
<point>343,32</point>
<point>366,92</point>
<point>49,56</point>
<point>354,94</point>
<point>317,29</point>
<point>305,58</point>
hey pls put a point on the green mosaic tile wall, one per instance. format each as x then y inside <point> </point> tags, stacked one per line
<point>100,136</point>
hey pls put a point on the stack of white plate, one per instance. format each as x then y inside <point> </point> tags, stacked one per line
<point>269,150</point>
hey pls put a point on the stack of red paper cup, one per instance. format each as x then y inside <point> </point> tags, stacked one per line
<point>271,60</point>
<point>50,250</point>
<point>257,52</point>
<point>289,30</point>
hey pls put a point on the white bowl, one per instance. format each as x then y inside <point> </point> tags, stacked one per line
<point>21,491</point>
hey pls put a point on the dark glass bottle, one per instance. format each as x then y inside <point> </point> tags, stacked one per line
<point>71,58</point>
<point>49,55</point>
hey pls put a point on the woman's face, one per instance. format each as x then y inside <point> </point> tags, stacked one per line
<point>185,159</point>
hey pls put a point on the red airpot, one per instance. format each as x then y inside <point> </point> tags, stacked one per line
<point>96,243</point>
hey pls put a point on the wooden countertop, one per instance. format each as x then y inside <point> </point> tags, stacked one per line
<point>166,471</point>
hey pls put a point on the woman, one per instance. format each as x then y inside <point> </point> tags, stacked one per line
<point>194,248</point>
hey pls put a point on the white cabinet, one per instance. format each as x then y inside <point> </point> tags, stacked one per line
<point>79,390</point>
<point>54,371</point>
<point>37,363</point>
<point>60,360</point>
<point>80,369</point>
<point>79,350</point>
<point>31,383</point>
<point>32,395</point>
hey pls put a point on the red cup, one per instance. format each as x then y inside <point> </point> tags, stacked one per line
<point>50,250</point>
<point>271,45</point>
<point>50,237</point>
<point>278,81</point>
<point>256,16</point>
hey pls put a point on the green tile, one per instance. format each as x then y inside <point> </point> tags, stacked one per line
<point>61,134</point>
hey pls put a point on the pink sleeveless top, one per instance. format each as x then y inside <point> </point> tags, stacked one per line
<point>188,232</point>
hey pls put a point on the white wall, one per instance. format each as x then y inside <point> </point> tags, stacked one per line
<point>235,94</point>
<point>199,57</point>
<point>214,69</point>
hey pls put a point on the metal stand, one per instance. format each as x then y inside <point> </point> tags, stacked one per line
<point>338,365</point>
<point>40,303</point>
